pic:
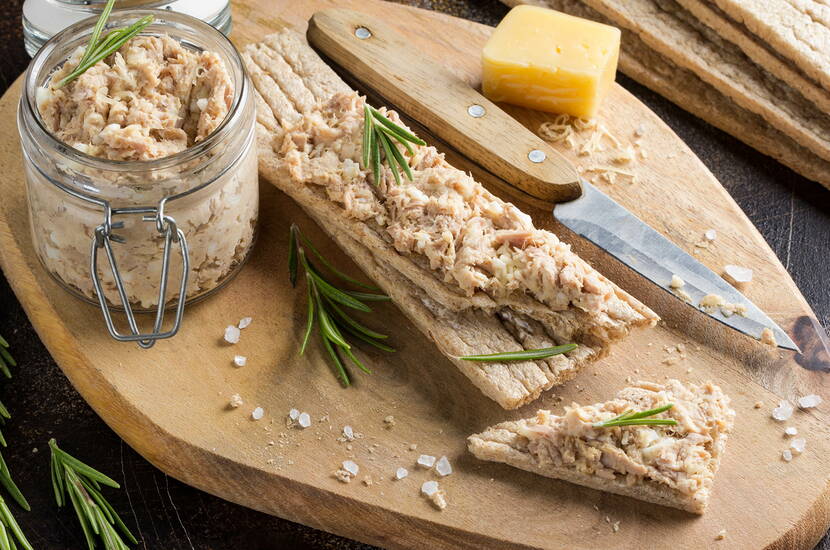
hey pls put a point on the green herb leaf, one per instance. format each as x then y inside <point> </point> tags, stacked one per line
<point>292,254</point>
<point>99,48</point>
<point>324,307</point>
<point>83,484</point>
<point>368,297</point>
<point>381,135</point>
<point>630,418</point>
<point>524,355</point>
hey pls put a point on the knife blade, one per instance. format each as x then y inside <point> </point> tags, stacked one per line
<point>371,52</point>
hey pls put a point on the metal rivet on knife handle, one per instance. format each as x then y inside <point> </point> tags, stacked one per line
<point>476,111</point>
<point>363,33</point>
<point>537,156</point>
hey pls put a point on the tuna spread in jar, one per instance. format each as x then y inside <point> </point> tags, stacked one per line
<point>166,123</point>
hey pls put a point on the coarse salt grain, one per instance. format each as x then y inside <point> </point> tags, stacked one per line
<point>427,461</point>
<point>245,322</point>
<point>348,433</point>
<point>737,275</point>
<point>783,411</point>
<point>401,473</point>
<point>351,467</point>
<point>240,360</point>
<point>798,445</point>
<point>809,401</point>
<point>787,455</point>
<point>710,235</point>
<point>257,413</point>
<point>429,488</point>
<point>231,334</point>
<point>791,431</point>
<point>443,466</point>
<point>293,414</point>
<point>304,420</point>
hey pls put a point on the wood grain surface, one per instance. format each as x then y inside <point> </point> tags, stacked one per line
<point>207,531</point>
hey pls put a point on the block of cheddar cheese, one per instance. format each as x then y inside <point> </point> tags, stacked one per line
<point>550,61</point>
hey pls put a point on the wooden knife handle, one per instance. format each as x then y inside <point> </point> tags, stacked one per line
<point>373,52</point>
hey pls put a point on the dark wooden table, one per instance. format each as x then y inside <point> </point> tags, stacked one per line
<point>793,214</point>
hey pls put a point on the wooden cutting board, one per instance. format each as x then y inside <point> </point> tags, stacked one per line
<point>169,403</point>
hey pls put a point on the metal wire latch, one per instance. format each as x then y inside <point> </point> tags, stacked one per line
<point>104,237</point>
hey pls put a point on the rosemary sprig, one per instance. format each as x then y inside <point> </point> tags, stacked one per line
<point>382,135</point>
<point>76,482</point>
<point>327,306</point>
<point>100,48</point>
<point>631,418</point>
<point>11,536</point>
<point>524,355</point>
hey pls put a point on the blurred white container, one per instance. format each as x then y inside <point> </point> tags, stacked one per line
<point>43,19</point>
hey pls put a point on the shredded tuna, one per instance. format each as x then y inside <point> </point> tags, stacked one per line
<point>150,99</point>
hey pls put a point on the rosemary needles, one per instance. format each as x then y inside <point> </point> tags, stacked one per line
<point>75,482</point>
<point>327,306</point>
<point>100,48</point>
<point>379,137</point>
<point>630,418</point>
<point>523,355</point>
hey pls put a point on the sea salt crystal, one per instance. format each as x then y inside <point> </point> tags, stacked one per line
<point>443,466</point>
<point>798,445</point>
<point>401,473</point>
<point>245,322</point>
<point>351,467</point>
<point>293,414</point>
<point>787,455</point>
<point>426,461</point>
<point>240,360</point>
<point>809,401</point>
<point>737,275</point>
<point>791,431</point>
<point>257,413</point>
<point>348,433</point>
<point>710,235</point>
<point>231,334</point>
<point>783,411</point>
<point>429,488</point>
<point>304,420</point>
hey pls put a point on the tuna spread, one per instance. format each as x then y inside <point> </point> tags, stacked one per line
<point>152,99</point>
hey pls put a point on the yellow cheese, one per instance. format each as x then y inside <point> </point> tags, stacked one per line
<point>550,61</point>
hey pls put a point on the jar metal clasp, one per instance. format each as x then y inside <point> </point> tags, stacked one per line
<point>103,238</point>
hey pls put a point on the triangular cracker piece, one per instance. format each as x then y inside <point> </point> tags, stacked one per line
<point>669,465</point>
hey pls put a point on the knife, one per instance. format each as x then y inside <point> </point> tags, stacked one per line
<point>451,109</point>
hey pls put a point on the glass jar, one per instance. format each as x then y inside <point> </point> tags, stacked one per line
<point>42,19</point>
<point>114,232</point>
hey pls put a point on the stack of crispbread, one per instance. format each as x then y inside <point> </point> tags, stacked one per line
<point>757,69</point>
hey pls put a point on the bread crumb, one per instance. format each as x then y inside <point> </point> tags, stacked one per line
<point>389,421</point>
<point>367,481</point>
<point>721,535</point>
<point>615,526</point>
<point>767,337</point>
<point>235,402</point>
<point>676,282</point>
<point>758,404</point>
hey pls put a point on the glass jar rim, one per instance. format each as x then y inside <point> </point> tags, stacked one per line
<point>189,154</point>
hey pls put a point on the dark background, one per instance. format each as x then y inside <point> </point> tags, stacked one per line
<point>793,215</point>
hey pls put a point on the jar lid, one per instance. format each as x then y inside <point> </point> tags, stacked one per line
<point>42,19</point>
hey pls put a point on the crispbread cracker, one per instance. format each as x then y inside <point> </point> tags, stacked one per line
<point>646,66</point>
<point>758,51</point>
<point>675,34</point>
<point>798,30</point>
<point>295,87</point>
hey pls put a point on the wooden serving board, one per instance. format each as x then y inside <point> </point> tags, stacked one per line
<point>170,403</point>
